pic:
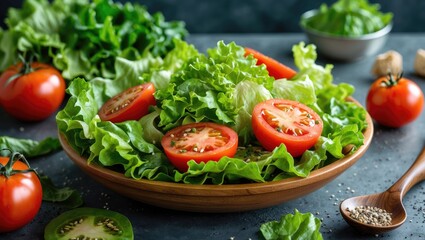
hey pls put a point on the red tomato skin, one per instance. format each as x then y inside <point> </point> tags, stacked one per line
<point>179,160</point>
<point>20,197</point>
<point>276,69</point>
<point>134,111</point>
<point>269,138</point>
<point>394,106</point>
<point>33,96</point>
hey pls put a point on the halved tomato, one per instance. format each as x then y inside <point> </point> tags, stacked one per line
<point>201,142</point>
<point>278,121</point>
<point>276,69</point>
<point>131,104</point>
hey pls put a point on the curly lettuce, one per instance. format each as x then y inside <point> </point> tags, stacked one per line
<point>192,86</point>
<point>348,18</point>
<point>85,38</point>
<point>204,88</point>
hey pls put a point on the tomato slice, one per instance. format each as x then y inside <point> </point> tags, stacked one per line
<point>278,121</point>
<point>131,104</point>
<point>201,142</point>
<point>275,68</point>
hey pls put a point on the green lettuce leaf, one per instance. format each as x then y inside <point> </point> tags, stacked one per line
<point>64,196</point>
<point>7,49</point>
<point>305,57</point>
<point>151,132</point>
<point>348,18</point>
<point>249,165</point>
<point>227,170</point>
<point>75,118</point>
<point>123,144</point>
<point>173,61</point>
<point>28,147</point>
<point>203,89</point>
<point>35,29</point>
<point>246,103</point>
<point>297,226</point>
<point>84,38</point>
<point>300,89</point>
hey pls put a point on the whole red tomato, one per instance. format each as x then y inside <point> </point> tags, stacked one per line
<point>394,101</point>
<point>20,194</point>
<point>31,91</point>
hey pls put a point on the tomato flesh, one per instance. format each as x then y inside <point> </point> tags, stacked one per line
<point>276,69</point>
<point>279,121</point>
<point>20,197</point>
<point>201,142</point>
<point>131,104</point>
<point>33,96</point>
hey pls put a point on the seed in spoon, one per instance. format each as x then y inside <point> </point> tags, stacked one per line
<point>371,215</point>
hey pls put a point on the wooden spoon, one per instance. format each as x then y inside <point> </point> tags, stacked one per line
<point>391,200</point>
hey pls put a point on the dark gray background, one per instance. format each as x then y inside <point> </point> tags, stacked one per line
<point>259,16</point>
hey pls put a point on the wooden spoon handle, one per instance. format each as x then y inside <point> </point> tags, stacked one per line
<point>414,174</point>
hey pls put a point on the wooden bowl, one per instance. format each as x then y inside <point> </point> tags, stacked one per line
<point>218,198</point>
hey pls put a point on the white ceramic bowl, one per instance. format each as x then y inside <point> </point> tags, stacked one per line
<point>345,48</point>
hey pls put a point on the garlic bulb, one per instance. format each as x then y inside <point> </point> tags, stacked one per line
<point>419,64</point>
<point>389,62</point>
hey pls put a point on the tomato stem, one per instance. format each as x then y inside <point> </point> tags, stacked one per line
<point>26,64</point>
<point>25,69</point>
<point>392,80</point>
<point>7,170</point>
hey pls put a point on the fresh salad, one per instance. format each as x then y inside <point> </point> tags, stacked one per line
<point>83,38</point>
<point>221,87</point>
<point>348,18</point>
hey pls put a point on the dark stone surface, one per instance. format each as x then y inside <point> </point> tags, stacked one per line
<point>267,16</point>
<point>390,154</point>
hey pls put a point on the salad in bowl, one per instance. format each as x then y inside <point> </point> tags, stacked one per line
<point>221,87</point>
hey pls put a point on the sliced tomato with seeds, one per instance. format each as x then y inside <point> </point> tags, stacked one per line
<point>131,104</point>
<point>201,142</point>
<point>278,121</point>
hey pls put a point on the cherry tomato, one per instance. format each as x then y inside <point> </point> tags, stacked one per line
<point>394,101</point>
<point>275,68</point>
<point>31,91</point>
<point>131,104</point>
<point>20,195</point>
<point>278,121</point>
<point>201,142</point>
